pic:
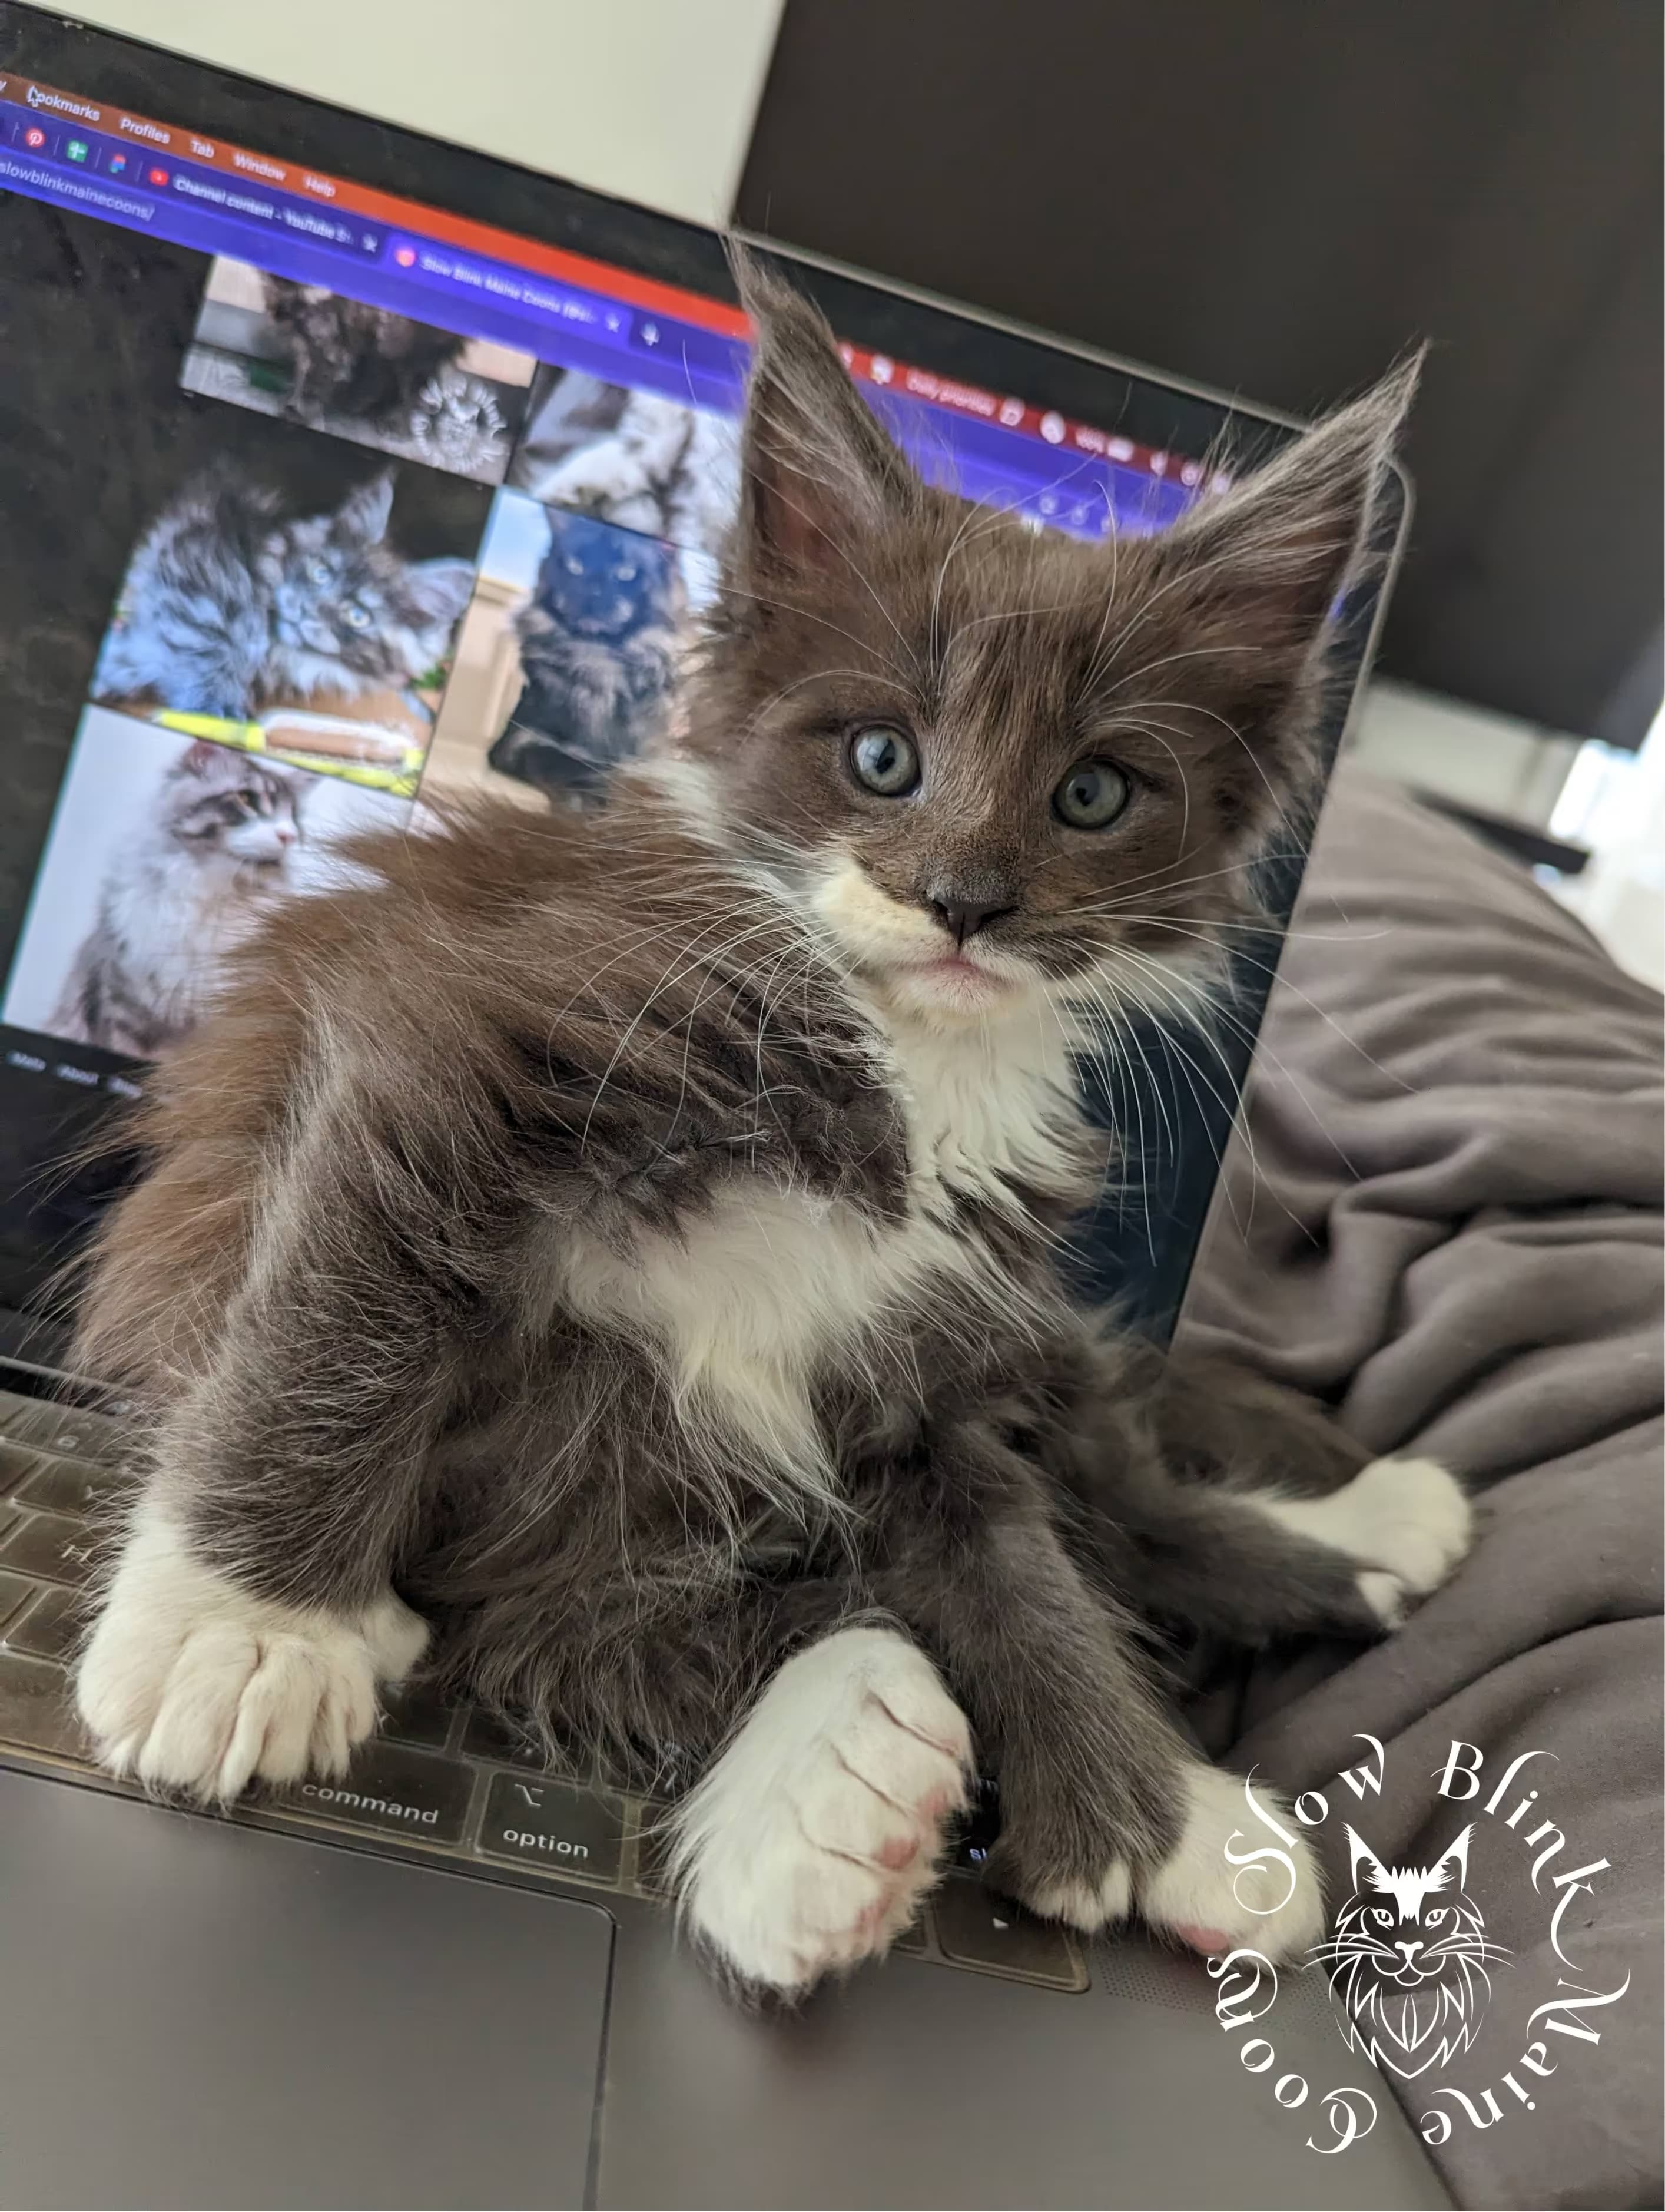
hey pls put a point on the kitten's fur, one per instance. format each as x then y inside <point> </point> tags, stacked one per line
<point>187,883</point>
<point>634,1238</point>
<point>231,605</point>
<point>1409,1961</point>
<point>598,645</point>
<point>352,359</point>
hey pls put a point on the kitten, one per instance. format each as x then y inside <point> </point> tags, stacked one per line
<point>598,643</point>
<point>1408,1960</point>
<point>620,1251</point>
<point>635,458</point>
<point>196,873</point>
<point>351,359</point>
<point>230,605</point>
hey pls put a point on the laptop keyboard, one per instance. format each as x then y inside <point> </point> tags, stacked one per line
<point>439,1779</point>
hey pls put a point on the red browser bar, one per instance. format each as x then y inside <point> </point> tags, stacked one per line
<point>383,207</point>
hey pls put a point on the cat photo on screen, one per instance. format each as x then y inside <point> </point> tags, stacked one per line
<point>164,855</point>
<point>635,458</point>
<point>331,363</point>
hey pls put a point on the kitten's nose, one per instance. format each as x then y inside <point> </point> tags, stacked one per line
<point>962,917</point>
<point>1410,1950</point>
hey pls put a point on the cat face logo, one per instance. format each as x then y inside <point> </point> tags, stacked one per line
<point>1408,1963</point>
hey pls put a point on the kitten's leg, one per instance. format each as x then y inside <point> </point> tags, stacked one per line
<point>808,1844</point>
<point>1104,1804</point>
<point>252,1613</point>
<point>1240,1509</point>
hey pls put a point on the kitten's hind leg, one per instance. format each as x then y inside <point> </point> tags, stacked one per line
<point>1236,1507</point>
<point>810,1841</point>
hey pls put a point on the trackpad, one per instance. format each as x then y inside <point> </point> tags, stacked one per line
<point>196,2015</point>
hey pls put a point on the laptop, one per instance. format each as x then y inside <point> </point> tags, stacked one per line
<point>452,1977</point>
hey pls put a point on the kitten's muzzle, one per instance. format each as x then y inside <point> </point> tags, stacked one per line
<point>962,913</point>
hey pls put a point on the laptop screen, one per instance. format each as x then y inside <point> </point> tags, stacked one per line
<point>322,499</point>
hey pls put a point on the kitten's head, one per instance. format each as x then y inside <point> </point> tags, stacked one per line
<point>998,764</point>
<point>1409,1960</point>
<point>343,600</point>
<point>602,584</point>
<point>219,805</point>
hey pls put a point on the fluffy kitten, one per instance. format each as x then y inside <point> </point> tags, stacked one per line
<point>351,359</point>
<point>632,458</point>
<point>598,645</point>
<point>189,881</point>
<point>230,604</point>
<point>622,1250</point>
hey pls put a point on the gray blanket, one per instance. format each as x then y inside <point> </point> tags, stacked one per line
<point>1451,1230</point>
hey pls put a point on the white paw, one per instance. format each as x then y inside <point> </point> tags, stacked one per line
<point>1273,1902</point>
<point>189,1683</point>
<point>1089,1905</point>
<point>811,1841</point>
<point>1407,1521</point>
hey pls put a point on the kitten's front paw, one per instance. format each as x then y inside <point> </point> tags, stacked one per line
<point>189,1683</point>
<point>810,1842</point>
<point>1200,1897</point>
<point>1412,1523</point>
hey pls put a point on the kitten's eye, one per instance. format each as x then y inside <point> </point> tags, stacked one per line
<point>1092,795</point>
<point>1432,1919</point>
<point>625,575</point>
<point>1382,1916</point>
<point>574,567</point>
<point>355,617</point>
<point>885,761</point>
<point>319,572</point>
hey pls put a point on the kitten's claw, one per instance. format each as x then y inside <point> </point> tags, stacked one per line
<point>1200,1898</point>
<point>809,1844</point>
<point>189,1683</point>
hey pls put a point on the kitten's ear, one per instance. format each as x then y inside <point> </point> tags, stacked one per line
<point>362,516</point>
<point>1374,1873</point>
<point>816,467</point>
<point>441,588</point>
<point>198,759</point>
<point>1455,1863</point>
<point>1271,556</point>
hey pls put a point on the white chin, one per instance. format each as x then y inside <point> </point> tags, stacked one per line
<point>964,991</point>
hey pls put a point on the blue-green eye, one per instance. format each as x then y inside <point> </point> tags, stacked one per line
<point>885,761</point>
<point>1092,795</point>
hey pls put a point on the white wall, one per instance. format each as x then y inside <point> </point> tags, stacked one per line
<point>649,100</point>
<point>1481,759</point>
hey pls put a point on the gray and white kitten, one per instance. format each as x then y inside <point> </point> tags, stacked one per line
<point>619,1254</point>
<point>635,459</point>
<point>187,883</point>
<point>230,605</point>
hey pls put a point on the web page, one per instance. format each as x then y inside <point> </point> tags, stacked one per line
<point>436,509</point>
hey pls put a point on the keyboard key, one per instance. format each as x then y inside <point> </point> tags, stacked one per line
<point>35,1710</point>
<point>68,1431</point>
<point>52,1626</point>
<point>72,1486</point>
<point>549,1825</point>
<point>14,1588</point>
<point>392,1791</point>
<point>17,1463</point>
<point>418,1716</point>
<point>977,1927</point>
<point>652,1848</point>
<point>488,1737</point>
<point>46,1544</point>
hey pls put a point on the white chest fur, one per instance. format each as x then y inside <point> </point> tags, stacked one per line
<point>777,1283</point>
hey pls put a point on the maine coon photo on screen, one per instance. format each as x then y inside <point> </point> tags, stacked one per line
<point>164,853</point>
<point>297,596</point>
<point>338,365</point>
<point>570,655</point>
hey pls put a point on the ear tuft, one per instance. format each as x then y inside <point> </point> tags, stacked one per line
<point>818,469</point>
